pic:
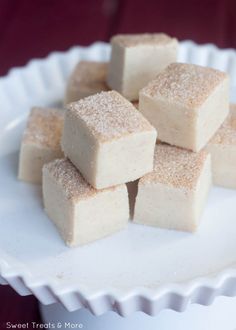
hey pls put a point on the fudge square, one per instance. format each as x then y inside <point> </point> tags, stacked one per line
<point>87,78</point>
<point>136,59</point>
<point>222,148</point>
<point>174,194</point>
<point>40,142</point>
<point>186,103</point>
<point>108,139</point>
<point>81,213</point>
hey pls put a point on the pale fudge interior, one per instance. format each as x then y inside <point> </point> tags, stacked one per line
<point>137,59</point>
<point>40,142</point>
<point>222,148</point>
<point>108,140</point>
<point>88,78</point>
<point>110,143</point>
<point>89,213</point>
<point>174,194</point>
<point>186,103</point>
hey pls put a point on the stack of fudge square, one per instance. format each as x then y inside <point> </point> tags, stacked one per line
<point>141,137</point>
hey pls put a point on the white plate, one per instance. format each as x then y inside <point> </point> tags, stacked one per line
<point>141,268</point>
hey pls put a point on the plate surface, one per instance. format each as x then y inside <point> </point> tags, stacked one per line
<point>141,268</point>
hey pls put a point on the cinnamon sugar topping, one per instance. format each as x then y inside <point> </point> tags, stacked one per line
<point>226,134</point>
<point>73,184</point>
<point>186,84</point>
<point>108,115</point>
<point>89,75</point>
<point>44,127</point>
<point>175,167</point>
<point>131,40</point>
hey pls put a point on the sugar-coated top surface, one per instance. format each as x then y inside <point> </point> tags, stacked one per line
<point>72,182</point>
<point>186,84</point>
<point>44,127</point>
<point>226,134</point>
<point>89,75</point>
<point>176,167</point>
<point>132,40</point>
<point>108,115</point>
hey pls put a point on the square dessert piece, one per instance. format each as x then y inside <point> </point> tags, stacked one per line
<point>81,213</point>
<point>108,140</point>
<point>40,142</point>
<point>222,148</point>
<point>136,59</point>
<point>174,194</point>
<point>88,78</point>
<point>187,104</point>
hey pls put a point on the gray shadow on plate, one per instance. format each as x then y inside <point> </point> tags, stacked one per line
<point>13,160</point>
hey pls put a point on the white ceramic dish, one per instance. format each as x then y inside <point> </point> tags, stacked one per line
<point>140,268</point>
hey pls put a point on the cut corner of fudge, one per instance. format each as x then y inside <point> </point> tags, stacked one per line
<point>186,103</point>
<point>81,213</point>
<point>136,59</point>
<point>40,142</point>
<point>114,142</point>
<point>87,78</point>
<point>222,148</point>
<point>173,196</point>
